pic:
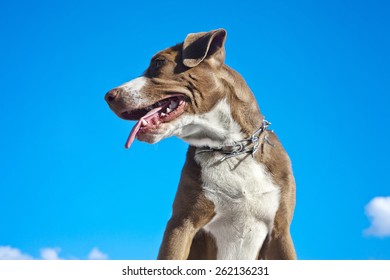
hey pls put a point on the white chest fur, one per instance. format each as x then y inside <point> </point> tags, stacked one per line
<point>245,200</point>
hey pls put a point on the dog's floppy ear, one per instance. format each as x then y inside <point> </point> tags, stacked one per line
<point>202,45</point>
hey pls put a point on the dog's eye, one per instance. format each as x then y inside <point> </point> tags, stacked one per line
<point>157,63</point>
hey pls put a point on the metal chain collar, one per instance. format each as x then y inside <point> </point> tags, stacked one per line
<point>246,146</point>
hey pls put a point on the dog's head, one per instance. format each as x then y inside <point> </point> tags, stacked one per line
<point>189,92</point>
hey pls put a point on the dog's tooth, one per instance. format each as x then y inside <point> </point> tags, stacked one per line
<point>173,105</point>
<point>163,114</point>
<point>168,110</point>
<point>144,122</point>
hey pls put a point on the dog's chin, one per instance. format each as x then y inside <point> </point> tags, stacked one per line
<point>155,135</point>
<point>164,130</point>
<point>150,138</point>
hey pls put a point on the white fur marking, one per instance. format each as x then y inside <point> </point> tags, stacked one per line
<point>246,201</point>
<point>134,85</point>
<point>134,90</point>
<point>213,128</point>
<point>245,198</point>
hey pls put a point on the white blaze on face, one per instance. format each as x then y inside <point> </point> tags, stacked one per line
<point>133,89</point>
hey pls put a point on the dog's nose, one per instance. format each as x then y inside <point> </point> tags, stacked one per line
<point>112,95</point>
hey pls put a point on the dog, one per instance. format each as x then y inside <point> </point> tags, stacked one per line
<point>236,195</point>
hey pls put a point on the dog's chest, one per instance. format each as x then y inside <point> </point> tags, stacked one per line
<point>245,200</point>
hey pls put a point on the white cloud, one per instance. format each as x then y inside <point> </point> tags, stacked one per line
<point>378,211</point>
<point>9,253</point>
<point>96,254</point>
<point>50,253</point>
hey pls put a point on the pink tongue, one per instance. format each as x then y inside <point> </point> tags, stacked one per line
<point>137,126</point>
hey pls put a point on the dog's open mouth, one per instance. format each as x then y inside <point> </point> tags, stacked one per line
<point>152,116</point>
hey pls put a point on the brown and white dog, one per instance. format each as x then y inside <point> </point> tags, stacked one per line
<point>236,195</point>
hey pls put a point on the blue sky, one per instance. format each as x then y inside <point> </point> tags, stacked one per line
<point>68,189</point>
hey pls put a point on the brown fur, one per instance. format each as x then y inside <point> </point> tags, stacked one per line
<point>196,69</point>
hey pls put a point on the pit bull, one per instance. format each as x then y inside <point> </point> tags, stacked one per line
<point>236,195</point>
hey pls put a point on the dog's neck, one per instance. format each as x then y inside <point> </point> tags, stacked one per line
<point>235,117</point>
<point>217,128</point>
<point>213,128</point>
<point>248,145</point>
